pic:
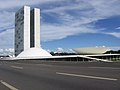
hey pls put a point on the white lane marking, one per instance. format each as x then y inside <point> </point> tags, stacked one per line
<point>8,85</point>
<point>104,67</point>
<point>17,67</point>
<point>85,76</point>
<point>43,65</point>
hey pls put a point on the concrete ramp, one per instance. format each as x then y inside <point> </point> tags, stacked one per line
<point>97,59</point>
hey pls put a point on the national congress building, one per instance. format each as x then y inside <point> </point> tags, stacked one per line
<point>27,33</point>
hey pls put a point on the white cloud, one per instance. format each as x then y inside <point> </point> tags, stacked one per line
<point>77,6</point>
<point>52,32</point>
<point>7,38</point>
<point>115,34</point>
<point>118,28</point>
<point>6,29</point>
<point>60,50</point>
<point>83,13</point>
<point>19,3</point>
<point>75,18</point>
<point>90,9</point>
<point>6,19</point>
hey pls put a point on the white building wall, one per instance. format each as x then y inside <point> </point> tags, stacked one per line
<point>26,27</point>
<point>37,27</point>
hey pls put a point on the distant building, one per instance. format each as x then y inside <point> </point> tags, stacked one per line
<point>27,33</point>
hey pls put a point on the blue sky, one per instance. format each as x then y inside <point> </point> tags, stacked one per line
<point>67,23</point>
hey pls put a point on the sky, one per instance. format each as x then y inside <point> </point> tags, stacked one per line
<point>66,24</point>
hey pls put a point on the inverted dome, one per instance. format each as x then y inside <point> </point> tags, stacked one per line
<point>34,52</point>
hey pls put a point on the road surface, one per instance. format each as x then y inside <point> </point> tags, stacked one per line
<point>43,75</point>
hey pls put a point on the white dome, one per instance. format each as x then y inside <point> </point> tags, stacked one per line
<point>34,52</point>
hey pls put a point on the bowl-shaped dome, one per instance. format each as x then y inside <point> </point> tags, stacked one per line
<point>92,50</point>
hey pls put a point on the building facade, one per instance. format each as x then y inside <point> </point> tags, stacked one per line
<point>27,33</point>
<point>27,29</point>
<point>35,28</point>
<point>22,30</point>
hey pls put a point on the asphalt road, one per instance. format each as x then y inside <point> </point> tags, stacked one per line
<point>40,75</point>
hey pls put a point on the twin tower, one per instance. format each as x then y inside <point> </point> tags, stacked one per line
<point>27,33</point>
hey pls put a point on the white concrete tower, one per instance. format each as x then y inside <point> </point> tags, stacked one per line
<point>27,34</point>
<point>35,28</point>
<point>22,30</point>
